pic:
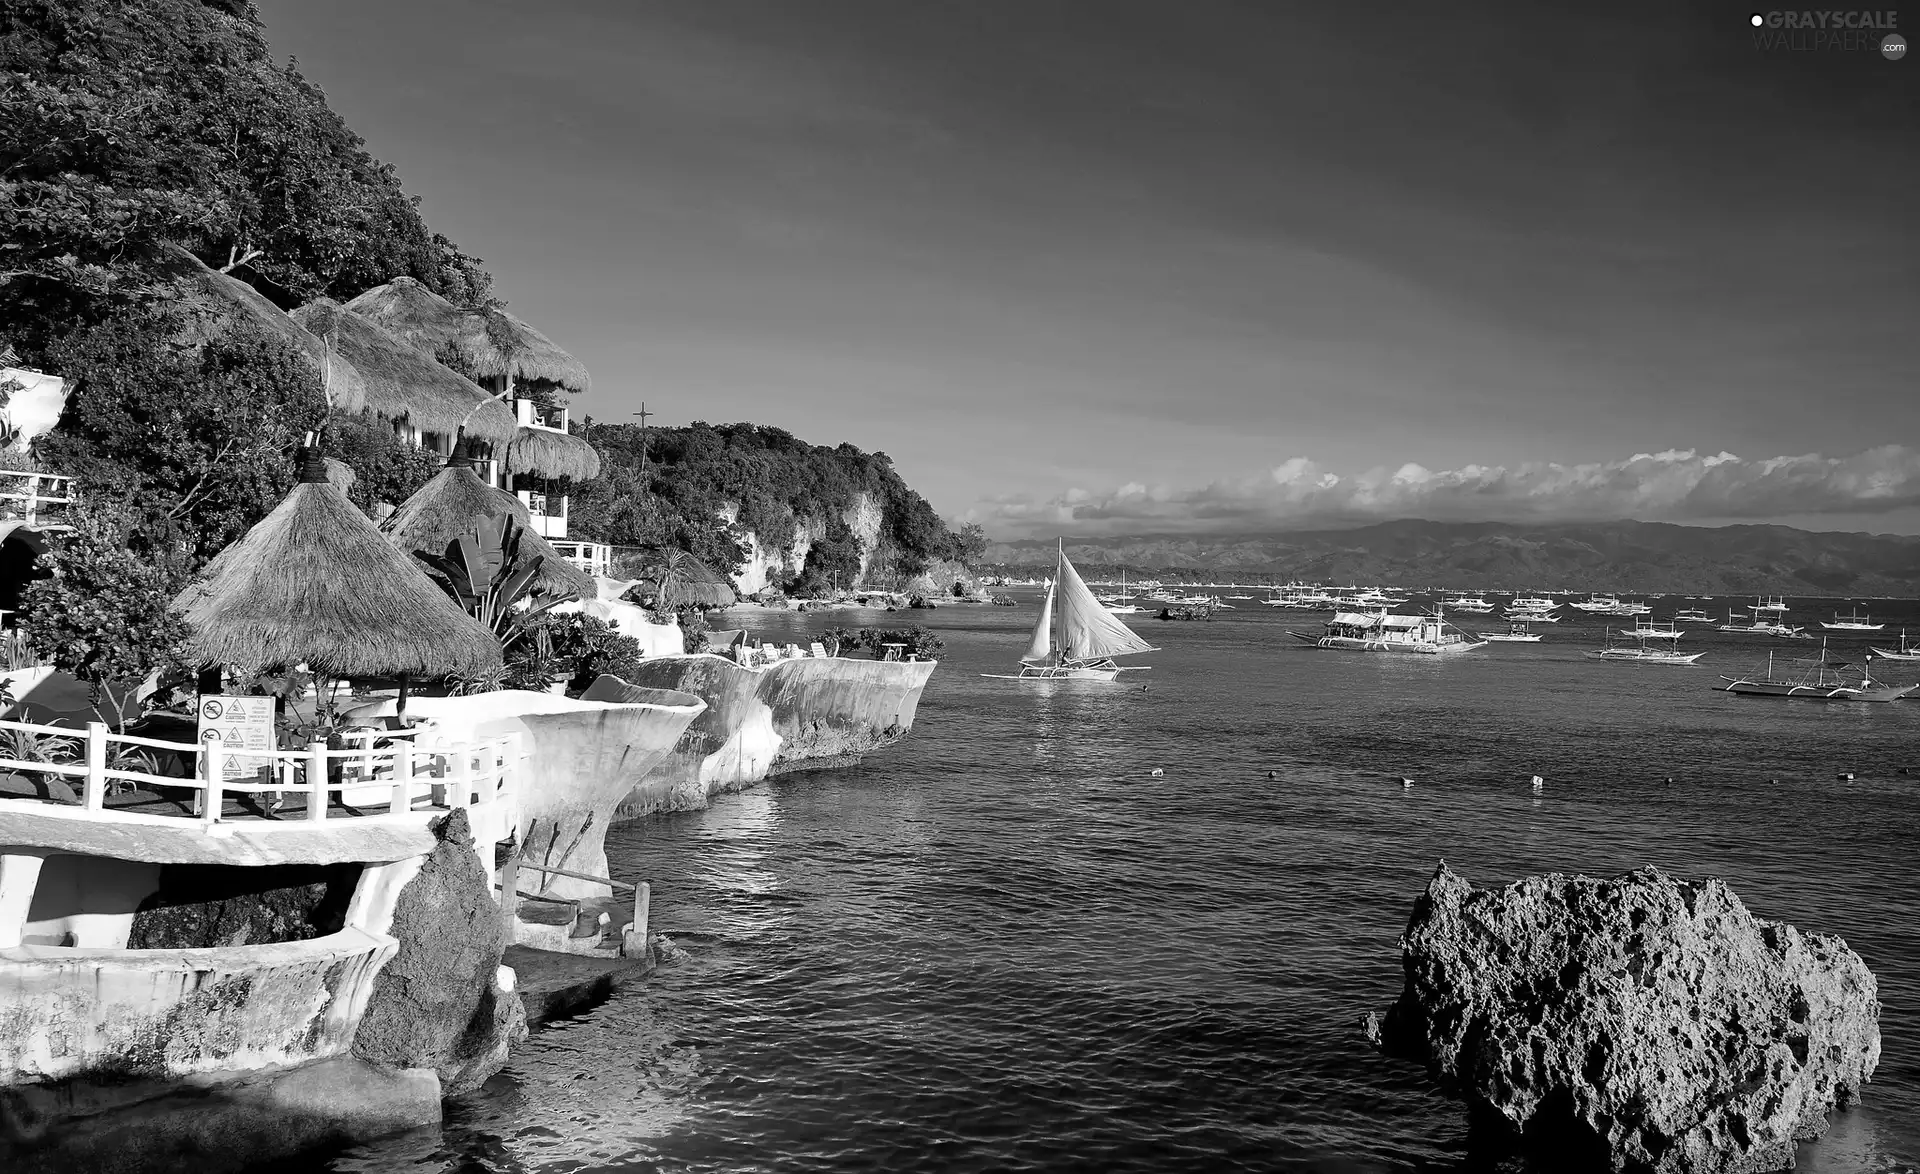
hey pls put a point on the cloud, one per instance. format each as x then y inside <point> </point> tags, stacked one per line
<point>1674,485</point>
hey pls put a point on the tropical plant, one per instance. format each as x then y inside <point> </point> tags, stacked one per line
<point>917,641</point>
<point>488,572</point>
<point>103,613</point>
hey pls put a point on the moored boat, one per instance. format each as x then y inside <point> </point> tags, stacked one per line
<point>1651,646</point>
<point>1516,633</point>
<point>1852,622</point>
<point>1382,631</point>
<point>1906,651</point>
<point>1821,680</point>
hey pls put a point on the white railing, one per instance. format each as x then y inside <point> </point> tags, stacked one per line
<point>38,499</point>
<point>413,765</point>
<point>531,415</point>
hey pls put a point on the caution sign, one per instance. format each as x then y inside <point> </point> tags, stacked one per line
<point>243,726</point>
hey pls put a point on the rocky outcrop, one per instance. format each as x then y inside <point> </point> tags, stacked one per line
<point>772,559</point>
<point>758,719</point>
<point>211,905</point>
<point>438,1003</point>
<point>1638,1024</point>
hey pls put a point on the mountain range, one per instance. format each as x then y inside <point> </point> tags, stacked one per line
<point>1595,556</point>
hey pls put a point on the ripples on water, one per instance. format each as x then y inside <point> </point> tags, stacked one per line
<point>1002,945</point>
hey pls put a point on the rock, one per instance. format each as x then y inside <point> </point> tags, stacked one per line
<point>1641,1024</point>
<point>438,1003</point>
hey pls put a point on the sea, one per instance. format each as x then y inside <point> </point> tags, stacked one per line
<point>1135,927</point>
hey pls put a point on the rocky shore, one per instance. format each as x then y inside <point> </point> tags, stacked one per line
<point>1641,1024</point>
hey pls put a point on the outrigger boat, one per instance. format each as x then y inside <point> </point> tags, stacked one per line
<point>1516,632</point>
<point>1645,651</point>
<point>1382,632</point>
<point>1852,623</point>
<point>1691,615</point>
<point>1818,683</point>
<point>1087,639</point>
<point>1906,651</point>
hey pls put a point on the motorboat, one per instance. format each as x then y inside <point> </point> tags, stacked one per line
<point>1820,680</point>
<point>1691,615</point>
<point>1854,622</point>
<point>1516,633</point>
<point>1651,646</point>
<point>1773,603</point>
<point>1382,631</point>
<point>1597,604</point>
<point>1468,603</point>
<point>1906,651</point>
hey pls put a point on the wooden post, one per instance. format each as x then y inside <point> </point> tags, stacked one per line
<point>402,799</point>
<point>316,781</point>
<point>509,894</point>
<point>213,762</point>
<point>633,944</point>
<point>95,796</point>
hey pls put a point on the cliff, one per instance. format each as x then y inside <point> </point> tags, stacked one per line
<point>774,560</point>
<point>1598,556</point>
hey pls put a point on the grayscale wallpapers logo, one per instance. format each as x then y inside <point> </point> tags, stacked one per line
<point>1842,30</point>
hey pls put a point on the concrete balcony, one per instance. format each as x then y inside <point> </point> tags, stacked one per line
<point>548,510</point>
<point>532,415</point>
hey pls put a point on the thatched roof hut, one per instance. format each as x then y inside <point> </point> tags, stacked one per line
<point>218,299</point>
<point>454,502</point>
<point>403,382</point>
<point>315,583</point>
<point>481,344</point>
<point>427,322</point>
<point>520,352</point>
<point>546,453</point>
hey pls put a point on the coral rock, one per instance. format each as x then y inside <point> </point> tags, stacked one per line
<point>1639,1024</point>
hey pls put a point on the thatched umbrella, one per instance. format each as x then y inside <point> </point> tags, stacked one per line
<point>403,382</point>
<point>516,351</point>
<point>685,581</point>
<point>314,582</point>
<point>454,502</point>
<point>219,299</point>
<point>427,322</point>
<point>543,452</point>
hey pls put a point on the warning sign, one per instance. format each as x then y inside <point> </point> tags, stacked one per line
<point>241,725</point>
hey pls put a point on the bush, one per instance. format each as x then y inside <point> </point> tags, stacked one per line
<point>918,640</point>
<point>385,467</point>
<point>103,613</point>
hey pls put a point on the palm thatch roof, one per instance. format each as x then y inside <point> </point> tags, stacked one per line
<point>684,581</point>
<point>221,299</point>
<point>402,381</point>
<point>479,343</point>
<point>427,322</point>
<point>546,453</point>
<point>454,502</point>
<point>315,582</point>
<point>517,349</point>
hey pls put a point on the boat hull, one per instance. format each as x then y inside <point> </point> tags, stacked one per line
<point>1066,672</point>
<point>1889,654</point>
<point>1359,644</point>
<point>1501,638</point>
<point>1816,692</point>
<point>1630,656</point>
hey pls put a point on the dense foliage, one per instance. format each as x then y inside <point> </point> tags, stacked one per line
<point>195,442</point>
<point>385,467</point>
<point>103,612</point>
<point>771,482</point>
<point>126,124</point>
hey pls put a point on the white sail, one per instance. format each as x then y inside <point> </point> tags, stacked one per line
<point>1088,631</point>
<point>1039,646</point>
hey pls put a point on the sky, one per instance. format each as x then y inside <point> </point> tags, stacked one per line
<point>1111,266</point>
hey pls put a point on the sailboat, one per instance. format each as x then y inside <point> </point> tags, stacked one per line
<point>1076,637</point>
<point>1906,651</point>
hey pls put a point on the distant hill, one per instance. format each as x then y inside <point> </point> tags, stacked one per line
<point>1594,556</point>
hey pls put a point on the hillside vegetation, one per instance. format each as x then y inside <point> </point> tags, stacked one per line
<point>775,486</point>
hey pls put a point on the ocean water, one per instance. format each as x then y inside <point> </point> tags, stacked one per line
<point>1004,945</point>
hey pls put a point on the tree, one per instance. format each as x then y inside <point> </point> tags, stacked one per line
<point>198,441</point>
<point>103,613</point>
<point>385,467</point>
